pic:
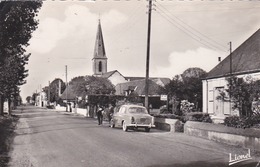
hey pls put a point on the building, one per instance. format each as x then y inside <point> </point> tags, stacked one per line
<point>99,63</point>
<point>41,99</point>
<point>243,62</point>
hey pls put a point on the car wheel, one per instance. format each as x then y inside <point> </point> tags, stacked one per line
<point>147,129</point>
<point>125,128</point>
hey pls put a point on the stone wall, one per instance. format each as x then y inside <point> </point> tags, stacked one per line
<point>247,138</point>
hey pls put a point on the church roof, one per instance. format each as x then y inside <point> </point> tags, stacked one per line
<point>245,59</point>
<point>99,51</point>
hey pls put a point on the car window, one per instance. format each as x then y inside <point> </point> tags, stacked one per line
<point>122,110</point>
<point>116,109</point>
<point>138,110</point>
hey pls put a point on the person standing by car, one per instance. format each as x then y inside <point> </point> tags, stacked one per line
<point>100,114</point>
<point>110,112</point>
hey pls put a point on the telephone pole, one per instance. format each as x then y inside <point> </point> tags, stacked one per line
<point>66,75</point>
<point>148,57</point>
<point>230,50</point>
<point>230,88</point>
<point>49,94</point>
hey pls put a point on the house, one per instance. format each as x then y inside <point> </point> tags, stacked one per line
<point>114,77</point>
<point>243,62</point>
<point>41,99</point>
<point>160,81</point>
<point>137,87</point>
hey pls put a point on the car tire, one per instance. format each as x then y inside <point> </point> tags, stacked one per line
<point>125,128</point>
<point>147,129</point>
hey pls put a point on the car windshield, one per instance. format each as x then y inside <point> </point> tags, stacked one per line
<point>137,110</point>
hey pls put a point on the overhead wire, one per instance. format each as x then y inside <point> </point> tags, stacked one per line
<point>195,30</point>
<point>190,31</point>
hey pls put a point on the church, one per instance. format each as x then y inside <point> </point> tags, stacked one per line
<point>123,85</point>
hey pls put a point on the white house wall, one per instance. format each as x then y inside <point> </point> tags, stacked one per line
<point>117,78</point>
<point>209,92</point>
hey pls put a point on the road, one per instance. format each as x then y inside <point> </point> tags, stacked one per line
<point>48,138</point>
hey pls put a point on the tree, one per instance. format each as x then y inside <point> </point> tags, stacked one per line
<point>243,91</point>
<point>17,22</point>
<point>55,86</point>
<point>91,85</point>
<point>28,99</point>
<point>187,86</point>
<point>34,96</point>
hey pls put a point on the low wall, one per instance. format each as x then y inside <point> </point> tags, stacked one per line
<point>81,111</point>
<point>172,125</point>
<point>60,108</point>
<point>247,138</point>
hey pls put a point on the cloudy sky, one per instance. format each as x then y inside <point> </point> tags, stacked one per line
<point>184,34</point>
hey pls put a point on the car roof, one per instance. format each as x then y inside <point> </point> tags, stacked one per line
<point>132,105</point>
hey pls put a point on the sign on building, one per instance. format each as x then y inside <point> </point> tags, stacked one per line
<point>163,97</point>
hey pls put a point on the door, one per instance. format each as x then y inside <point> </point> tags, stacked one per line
<point>218,102</point>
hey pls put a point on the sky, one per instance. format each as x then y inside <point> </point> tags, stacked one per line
<point>184,34</point>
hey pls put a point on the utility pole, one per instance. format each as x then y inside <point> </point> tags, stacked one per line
<point>66,74</point>
<point>230,50</point>
<point>49,93</point>
<point>148,57</point>
<point>230,88</point>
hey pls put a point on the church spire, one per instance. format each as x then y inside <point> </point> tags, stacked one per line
<point>99,51</point>
<point>99,59</point>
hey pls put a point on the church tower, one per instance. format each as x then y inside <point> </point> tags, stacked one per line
<point>99,61</point>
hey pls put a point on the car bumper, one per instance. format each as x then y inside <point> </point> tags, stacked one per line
<point>141,125</point>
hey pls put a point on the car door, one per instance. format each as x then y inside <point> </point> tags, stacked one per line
<point>121,115</point>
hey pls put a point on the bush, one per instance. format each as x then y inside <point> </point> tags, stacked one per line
<point>243,122</point>
<point>170,116</point>
<point>193,116</point>
<point>198,117</point>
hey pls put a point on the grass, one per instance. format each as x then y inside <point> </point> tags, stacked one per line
<point>7,126</point>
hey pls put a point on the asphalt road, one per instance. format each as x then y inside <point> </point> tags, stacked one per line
<point>48,138</point>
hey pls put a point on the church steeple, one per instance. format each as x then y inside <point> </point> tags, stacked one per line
<point>99,60</point>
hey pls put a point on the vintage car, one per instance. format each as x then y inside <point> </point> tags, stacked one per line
<point>132,117</point>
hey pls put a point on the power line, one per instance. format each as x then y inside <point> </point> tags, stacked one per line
<point>191,34</point>
<point>198,40</point>
<point>195,30</point>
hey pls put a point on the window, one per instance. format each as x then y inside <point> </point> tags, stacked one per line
<point>122,110</point>
<point>137,110</point>
<point>100,66</point>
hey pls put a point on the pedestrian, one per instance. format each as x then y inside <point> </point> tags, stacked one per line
<point>110,112</point>
<point>100,114</point>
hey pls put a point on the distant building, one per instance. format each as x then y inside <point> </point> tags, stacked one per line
<point>41,99</point>
<point>99,63</point>
<point>245,62</point>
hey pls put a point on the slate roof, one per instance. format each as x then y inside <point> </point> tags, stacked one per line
<point>139,87</point>
<point>110,73</point>
<point>99,51</point>
<point>245,59</point>
<point>70,93</point>
<point>164,81</point>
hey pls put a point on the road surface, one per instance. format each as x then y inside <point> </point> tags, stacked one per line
<point>49,138</point>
